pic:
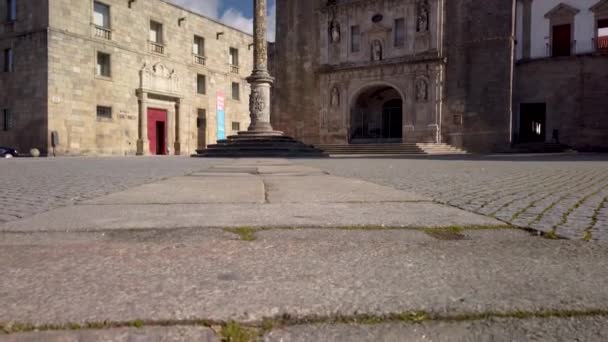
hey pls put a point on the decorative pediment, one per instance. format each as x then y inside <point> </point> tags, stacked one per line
<point>600,7</point>
<point>159,78</point>
<point>378,28</point>
<point>562,10</point>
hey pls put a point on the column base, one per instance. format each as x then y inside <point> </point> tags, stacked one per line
<point>143,147</point>
<point>177,148</point>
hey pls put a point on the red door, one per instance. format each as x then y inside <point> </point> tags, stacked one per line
<point>562,34</point>
<point>157,131</point>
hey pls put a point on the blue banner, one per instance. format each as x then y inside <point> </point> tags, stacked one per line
<point>221,117</point>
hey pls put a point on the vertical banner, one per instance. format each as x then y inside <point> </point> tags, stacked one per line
<point>221,117</point>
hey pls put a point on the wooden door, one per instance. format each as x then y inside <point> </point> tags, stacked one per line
<point>157,131</point>
<point>562,40</point>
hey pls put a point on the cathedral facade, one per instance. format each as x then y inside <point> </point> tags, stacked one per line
<point>384,71</point>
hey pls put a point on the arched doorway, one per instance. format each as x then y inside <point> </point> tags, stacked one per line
<point>377,116</point>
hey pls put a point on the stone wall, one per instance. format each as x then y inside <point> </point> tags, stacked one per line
<point>75,91</point>
<point>295,99</point>
<point>23,91</point>
<point>479,72</point>
<point>576,94</point>
<point>54,87</point>
<point>311,64</point>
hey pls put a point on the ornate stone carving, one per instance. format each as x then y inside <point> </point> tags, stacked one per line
<point>335,97</point>
<point>422,90</point>
<point>334,32</point>
<point>256,102</point>
<point>376,50</point>
<point>159,78</point>
<point>423,10</point>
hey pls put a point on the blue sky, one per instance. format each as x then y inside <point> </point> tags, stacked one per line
<point>236,13</point>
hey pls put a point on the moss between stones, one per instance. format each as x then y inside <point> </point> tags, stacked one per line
<point>236,332</point>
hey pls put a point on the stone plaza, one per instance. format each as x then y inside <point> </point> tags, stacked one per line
<point>459,247</point>
<point>299,250</point>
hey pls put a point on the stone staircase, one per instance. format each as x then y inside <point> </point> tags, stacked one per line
<point>539,148</point>
<point>246,144</point>
<point>389,149</point>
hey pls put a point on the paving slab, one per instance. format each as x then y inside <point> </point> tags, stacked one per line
<point>536,329</point>
<point>146,334</point>
<point>190,190</point>
<point>298,273</point>
<point>170,216</point>
<point>331,189</point>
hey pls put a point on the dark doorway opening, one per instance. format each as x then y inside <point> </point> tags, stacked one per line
<point>532,122</point>
<point>562,40</point>
<point>392,119</point>
<point>160,137</point>
<point>377,116</point>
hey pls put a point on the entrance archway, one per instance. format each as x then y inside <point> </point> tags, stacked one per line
<point>377,116</point>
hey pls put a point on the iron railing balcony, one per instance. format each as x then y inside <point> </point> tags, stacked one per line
<point>102,32</point>
<point>234,69</point>
<point>199,59</point>
<point>157,47</point>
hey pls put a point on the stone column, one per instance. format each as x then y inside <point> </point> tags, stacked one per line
<point>143,144</point>
<point>527,28</point>
<point>177,145</point>
<point>260,79</point>
<point>170,131</point>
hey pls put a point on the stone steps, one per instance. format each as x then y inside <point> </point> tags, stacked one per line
<point>390,149</point>
<point>539,148</point>
<point>253,145</point>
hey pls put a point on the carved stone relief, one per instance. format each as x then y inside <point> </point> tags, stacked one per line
<point>422,90</point>
<point>334,32</point>
<point>422,22</point>
<point>159,78</point>
<point>335,97</point>
<point>376,50</point>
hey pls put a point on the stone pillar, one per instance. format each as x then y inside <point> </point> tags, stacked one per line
<point>260,79</point>
<point>143,144</point>
<point>170,131</point>
<point>177,146</point>
<point>527,29</point>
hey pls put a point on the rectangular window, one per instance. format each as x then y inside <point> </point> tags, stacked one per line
<point>201,120</point>
<point>234,57</point>
<point>156,32</point>
<point>198,48</point>
<point>8,60</point>
<point>400,32</point>
<point>236,126</point>
<point>201,84</point>
<point>355,39</point>
<point>6,122</point>
<point>11,10</point>
<point>103,65</point>
<point>101,15</point>
<point>562,40</point>
<point>236,91</point>
<point>602,35</point>
<point>104,112</point>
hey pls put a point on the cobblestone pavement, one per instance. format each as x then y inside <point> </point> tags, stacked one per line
<point>565,194</point>
<point>30,186</point>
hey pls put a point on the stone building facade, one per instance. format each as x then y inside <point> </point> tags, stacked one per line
<point>119,77</point>
<point>443,71</point>
<point>561,73</point>
<point>357,71</point>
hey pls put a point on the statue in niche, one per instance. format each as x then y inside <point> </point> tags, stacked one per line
<point>422,24</point>
<point>334,31</point>
<point>376,51</point>
<point>335,97</point>
<point>422,90</point>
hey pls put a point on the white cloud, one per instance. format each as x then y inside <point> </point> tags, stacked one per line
<point>210,8</point>
<point>232,16</point>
